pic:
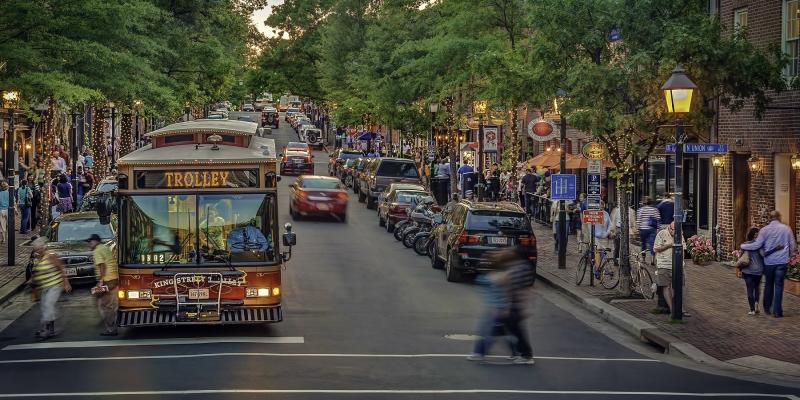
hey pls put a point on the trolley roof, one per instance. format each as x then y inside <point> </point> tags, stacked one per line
<point>210,126</point>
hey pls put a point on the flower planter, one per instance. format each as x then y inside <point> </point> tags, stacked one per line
<point>792,286</point>
<point>701,262</point>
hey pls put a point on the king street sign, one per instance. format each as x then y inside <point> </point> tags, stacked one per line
<point>699,148</point>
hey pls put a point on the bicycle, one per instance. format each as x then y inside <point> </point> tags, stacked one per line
<point>603,269</point>
<point>641,280</point>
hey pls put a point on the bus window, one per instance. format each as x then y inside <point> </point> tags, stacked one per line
<point>242,232</point>
<point>160,229</point>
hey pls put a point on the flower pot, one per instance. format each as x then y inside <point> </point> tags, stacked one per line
<point>792,286</point>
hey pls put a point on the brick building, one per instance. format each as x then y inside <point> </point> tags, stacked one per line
<point>757,176</point>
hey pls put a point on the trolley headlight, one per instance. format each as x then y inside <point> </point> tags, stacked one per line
<point>257,292</point>
<point>143,294</point>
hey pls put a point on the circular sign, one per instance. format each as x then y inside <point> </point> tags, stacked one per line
<point>541,130</point>
<point>594,151</point>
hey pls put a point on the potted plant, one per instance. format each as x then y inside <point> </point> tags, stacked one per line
<point>701,249</point>
<point>792,283</point>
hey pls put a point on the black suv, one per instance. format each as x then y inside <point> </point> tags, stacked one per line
<point>381,172</point>
<point>470,229</point>
<point>338,158</point>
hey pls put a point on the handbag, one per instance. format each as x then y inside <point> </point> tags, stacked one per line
<point>743,261</point>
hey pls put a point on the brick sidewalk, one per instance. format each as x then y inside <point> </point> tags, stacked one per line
<point>715,298</point>
<point>9,274</point>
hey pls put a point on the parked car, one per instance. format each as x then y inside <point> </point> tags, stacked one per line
<point>338,158</point>
<point>471,229</point>
<point>66,238</point>
<point>318,195</point>
<point>105,191</point>
<point>394,206</point>
<point>398,186</point>
<point>355,173</point>
<point>297,162</point>
<point>217,115</point>
<point>313,137</point>
<point>383,172</point>
<point>248,108</point>
<point>290,112</point>
<point>269,117</point>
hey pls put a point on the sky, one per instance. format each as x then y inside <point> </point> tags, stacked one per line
<point>259,16</point>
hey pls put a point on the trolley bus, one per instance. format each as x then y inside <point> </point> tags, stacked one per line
<point>198,222</point>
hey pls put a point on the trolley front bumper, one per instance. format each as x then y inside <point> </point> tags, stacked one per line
<point>234,315</point>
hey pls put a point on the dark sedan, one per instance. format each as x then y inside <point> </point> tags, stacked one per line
<point>297,162</point>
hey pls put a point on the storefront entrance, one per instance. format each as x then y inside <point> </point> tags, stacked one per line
<point>741,197</point>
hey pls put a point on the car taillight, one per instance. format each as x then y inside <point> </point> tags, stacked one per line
<point>527,241</point>
<point>341,195</point>
<point>469,239</point>
<point>302,193</point>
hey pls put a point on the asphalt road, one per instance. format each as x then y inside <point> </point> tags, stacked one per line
<point>365,318</point>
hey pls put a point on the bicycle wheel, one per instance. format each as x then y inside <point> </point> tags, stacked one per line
<point>609,274</point>
<point>645,286</point>
<point>580,272</point>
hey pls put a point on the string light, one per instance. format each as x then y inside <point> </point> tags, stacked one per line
<point>126,135</point>
<point>99,146</point>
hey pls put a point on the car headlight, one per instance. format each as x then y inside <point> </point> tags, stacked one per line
<point>141,294</point>
<point>257,292</point>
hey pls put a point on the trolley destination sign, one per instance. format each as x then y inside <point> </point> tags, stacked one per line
<point>197,179</point>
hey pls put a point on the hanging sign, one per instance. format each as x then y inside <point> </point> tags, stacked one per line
<point>541,130</point>
<point>594,151</point>
<point>490,139</point>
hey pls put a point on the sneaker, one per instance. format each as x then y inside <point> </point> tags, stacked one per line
<point>109,333</point>
<point>476,357</point>
<point>751,312</point>
<point>524,361</point>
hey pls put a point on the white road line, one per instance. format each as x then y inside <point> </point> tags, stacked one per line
<point>156,342</point>
<point>251,354</point>
<point>390,392</point>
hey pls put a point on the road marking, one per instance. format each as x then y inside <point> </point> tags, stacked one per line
<point>156,342</point>
<point>329,355</point>
<point>391,391</point>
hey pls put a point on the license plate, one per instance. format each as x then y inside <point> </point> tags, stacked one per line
<point>323,207</point>
<point>497,240</point>
<point>71,271</point>
<point>297,161</point>
<point>198,294</point>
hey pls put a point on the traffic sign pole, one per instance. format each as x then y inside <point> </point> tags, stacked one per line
<point>562,207</point>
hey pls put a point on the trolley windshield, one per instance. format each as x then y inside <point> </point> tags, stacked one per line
<point>192,229</point>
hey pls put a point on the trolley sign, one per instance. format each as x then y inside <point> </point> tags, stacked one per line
<point>592,217</point>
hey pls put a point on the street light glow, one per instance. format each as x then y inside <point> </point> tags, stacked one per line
<point>678,90</point>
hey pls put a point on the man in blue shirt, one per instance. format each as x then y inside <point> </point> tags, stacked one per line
<point>778,243</point>
<point>666,209</point>
<point>466,168</point>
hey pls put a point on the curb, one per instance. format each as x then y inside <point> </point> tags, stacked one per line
<point>12,287</point>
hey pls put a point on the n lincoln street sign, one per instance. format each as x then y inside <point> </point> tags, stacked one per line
<point>699,148</point>
<point>562,187</point>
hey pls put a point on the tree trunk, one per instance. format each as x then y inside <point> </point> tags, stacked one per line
<point>99,145</point>
<point>48,145</point>
<point>515,153</point>
<point>624,287</point>
<point>453,158</point>
<point>126,135</point>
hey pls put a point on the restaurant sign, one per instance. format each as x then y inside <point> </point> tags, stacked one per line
<point>594,151</point>
<point>541,130</point>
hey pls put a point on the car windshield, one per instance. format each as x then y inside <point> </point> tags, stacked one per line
<point>80,229</point>
<point>397,169</point>
<point>320,184</point>
<point>346,155</point>
<point>106,186</point>
<point>406,197</point>
<point>497,220</point>
<point>198,229</point>
<point>292,110</point>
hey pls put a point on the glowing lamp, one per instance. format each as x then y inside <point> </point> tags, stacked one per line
<point>718,161</point>
<point>678,91</point>
<point>795,162</point>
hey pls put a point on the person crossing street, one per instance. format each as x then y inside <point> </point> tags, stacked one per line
<point>49,280</point>
<point>105,266</point>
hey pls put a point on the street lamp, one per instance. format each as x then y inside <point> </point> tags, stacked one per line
<point>480,108</point>
<point>678,90</point>
<point>795,162</point>
<point>10,101</point>
<point>561,95</point>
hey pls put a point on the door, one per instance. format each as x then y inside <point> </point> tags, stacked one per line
<point>741,197</point>
<point>690,194</point>
<point>785,192</point>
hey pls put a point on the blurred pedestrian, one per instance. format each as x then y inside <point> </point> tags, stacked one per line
<point>497,284</point>
<point>107,273</point>
<point>25,201</point>
<point>554,221</point>
<point>49,280</point>
<point>4,204</point>
<point>648,221</point>
<point>522,275</point>
<point>751,267</point>
<point>778,243</point>
<point>666,209</point>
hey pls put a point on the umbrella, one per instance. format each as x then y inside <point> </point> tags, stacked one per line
<point>546,159</point>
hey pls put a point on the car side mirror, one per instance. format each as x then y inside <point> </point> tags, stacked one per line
<point>104,210</point>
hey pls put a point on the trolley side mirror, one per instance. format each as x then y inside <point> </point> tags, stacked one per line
<point>289,240</point>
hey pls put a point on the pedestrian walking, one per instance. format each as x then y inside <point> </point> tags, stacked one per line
<point>778,243</point>
<point>528,183</point>
<point>107,273</point>
<point>751,268</point>
<point>497,287</point>
<point>64,193</point>
<point>666,209</point>
<point>554,221</point>
<point>49,280</point>
<point>665,238</point>
<point>648,221</point>
<point>25,201</point>
<point>4,204</point>
<point>36,201</point>
<point>522,275</point>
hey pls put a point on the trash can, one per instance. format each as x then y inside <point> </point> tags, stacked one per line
<point>440,188</point>
<point>470,179</point>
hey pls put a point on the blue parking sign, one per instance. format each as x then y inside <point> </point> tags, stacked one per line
<point>562,187</point>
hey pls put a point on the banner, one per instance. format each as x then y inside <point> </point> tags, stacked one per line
<point>490,137</point>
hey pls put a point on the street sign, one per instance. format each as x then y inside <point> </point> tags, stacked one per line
<point>562,187</point>
<point>594,167</point>
<point>593,184</point>
<point>699,148</point>
<point>593,217</point>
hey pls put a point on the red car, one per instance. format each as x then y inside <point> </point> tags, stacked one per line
<point>393,209</point>
<point>297,162</point>
<point>298,146</point>
<point>318,195</point>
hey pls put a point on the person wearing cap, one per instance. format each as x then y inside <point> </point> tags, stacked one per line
<point>49,280</point>
<point>107,273</point>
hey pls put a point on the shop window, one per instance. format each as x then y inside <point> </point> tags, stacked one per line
<point>791,35</point>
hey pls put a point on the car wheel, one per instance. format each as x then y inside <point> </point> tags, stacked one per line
<point>436,263</point>
<point>451,269</point>
<point>362,197</point>
<point>371,202</point>
<point>381,221</point>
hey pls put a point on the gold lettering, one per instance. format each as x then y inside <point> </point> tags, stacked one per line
<point>215,179</point>
<point>188,179</point>
<point>206,180</point>
<point>168,175</point>
<point>197,181</point>
<point>224,178</point>
<point>179,180</point>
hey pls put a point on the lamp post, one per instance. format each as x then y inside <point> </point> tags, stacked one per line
<point>678,93</point>
<point>562,207</point>
<point>718,162</point>
<point>480,108</point>
<point>10,101</point>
